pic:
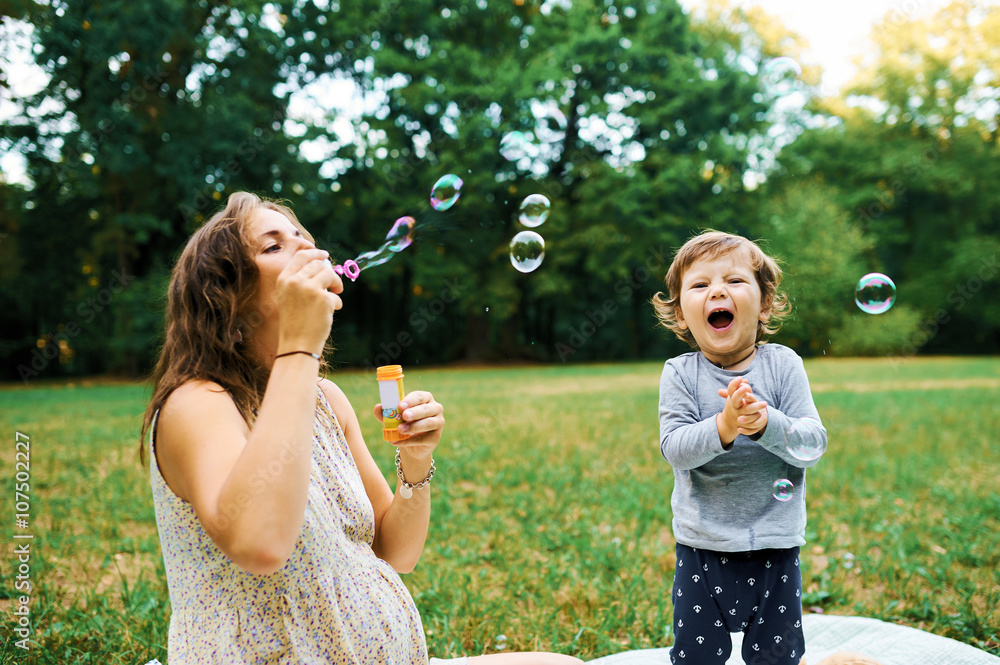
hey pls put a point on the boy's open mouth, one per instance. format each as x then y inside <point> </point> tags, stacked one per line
<point>720,319</point>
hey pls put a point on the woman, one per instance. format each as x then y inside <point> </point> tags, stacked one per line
<point>281,539</point>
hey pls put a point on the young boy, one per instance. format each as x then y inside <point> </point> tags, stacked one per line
<point>729,414</point>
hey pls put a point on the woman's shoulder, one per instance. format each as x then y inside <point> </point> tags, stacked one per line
<point>338,401</point>
<point>334,394</point>
<point>194,388</point>
<point>195,403</point>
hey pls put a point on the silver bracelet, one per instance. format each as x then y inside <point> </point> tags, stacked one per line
<point>405,488</point>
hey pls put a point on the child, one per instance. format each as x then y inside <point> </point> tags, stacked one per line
<point>729,412</point>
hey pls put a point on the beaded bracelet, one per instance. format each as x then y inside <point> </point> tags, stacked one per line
<point>405,488</point>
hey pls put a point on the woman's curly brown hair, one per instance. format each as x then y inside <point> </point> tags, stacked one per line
<point>210,309</point>
<point>711,245</point>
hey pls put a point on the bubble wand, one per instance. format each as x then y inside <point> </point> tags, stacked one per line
<point>400,237</point>
<point>444,194</point>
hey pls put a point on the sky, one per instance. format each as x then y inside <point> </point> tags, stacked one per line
<point>834,31</point>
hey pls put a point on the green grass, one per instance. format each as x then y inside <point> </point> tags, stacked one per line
<point>551,509</point>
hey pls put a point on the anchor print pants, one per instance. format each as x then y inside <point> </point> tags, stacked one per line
<point>758,593</point>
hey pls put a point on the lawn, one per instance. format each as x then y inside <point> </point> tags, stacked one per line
<point>551,509</point>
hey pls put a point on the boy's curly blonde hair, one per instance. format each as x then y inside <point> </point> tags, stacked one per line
<point>710,245</point>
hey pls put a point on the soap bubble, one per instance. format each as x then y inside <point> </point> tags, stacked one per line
<point>804,439</point>
<point>501,642</point>
<point>783,489</point>
<point>534,210</point>
<point>781,75</point>
<point>551,126</point>
<point>400,235</point>
<point>875,293</point>
<point>550,122</point>
<point>848,561</point>
<point>515,145</point>
<point>527,250</point>
<point>446,191</point>
<point>376,257</point>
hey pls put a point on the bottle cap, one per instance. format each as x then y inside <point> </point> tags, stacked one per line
<point>393,435</point>
<point>389,372</point>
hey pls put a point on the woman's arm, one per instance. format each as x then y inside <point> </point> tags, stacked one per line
<point>248,488</point>
<point>400,524</point>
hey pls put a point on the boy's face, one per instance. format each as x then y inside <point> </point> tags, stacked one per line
<point>720,305</point>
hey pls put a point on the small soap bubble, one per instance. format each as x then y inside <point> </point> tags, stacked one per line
<point>514,145</point>
<point>804,439</point>
<point>527,250</point>
<point>780,76</point>
<point>550,122</point>
<point>400,236</point>
<point>783,489</point>
<point>501,642</point>
<point>534,210</point>
<point>446,191</point>
<point>848,561</point>
<point>875,294</point>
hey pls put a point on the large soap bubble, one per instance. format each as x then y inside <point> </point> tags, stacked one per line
<point>527,250</point>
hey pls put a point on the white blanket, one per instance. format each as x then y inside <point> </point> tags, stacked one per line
<point>826,634</point>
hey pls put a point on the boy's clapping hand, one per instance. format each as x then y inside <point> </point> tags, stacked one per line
<point>742,413</point>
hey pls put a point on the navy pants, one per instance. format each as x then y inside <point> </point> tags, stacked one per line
<point>757,593</point>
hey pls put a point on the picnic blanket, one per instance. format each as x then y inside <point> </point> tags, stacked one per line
<point>826,634</point>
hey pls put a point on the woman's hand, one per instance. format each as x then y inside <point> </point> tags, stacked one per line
<point>306,295</point>
<point>423,420</point>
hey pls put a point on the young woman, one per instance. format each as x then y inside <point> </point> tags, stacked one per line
<point>281,539</point>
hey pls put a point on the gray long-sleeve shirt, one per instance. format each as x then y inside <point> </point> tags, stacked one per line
<point>723,498</point>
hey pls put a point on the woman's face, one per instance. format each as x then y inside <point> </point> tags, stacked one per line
<point>276,242</point>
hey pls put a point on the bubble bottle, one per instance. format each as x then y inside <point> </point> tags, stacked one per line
<point>390,390</point>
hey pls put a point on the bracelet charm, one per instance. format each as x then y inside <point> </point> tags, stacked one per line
<point>405,488</point>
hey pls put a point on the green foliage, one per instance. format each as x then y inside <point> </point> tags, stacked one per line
<point>821,255</point>
<point>166,122</point>
<point>641,126</point>
<point>893,333</point>
<point>914,174</point>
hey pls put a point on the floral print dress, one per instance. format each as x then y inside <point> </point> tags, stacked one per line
<point>334,601</point>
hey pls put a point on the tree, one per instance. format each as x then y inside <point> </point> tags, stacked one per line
<point>911,161</point>
<point>153,112</point>
<point>633,125</point>
<point>640,124</point>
